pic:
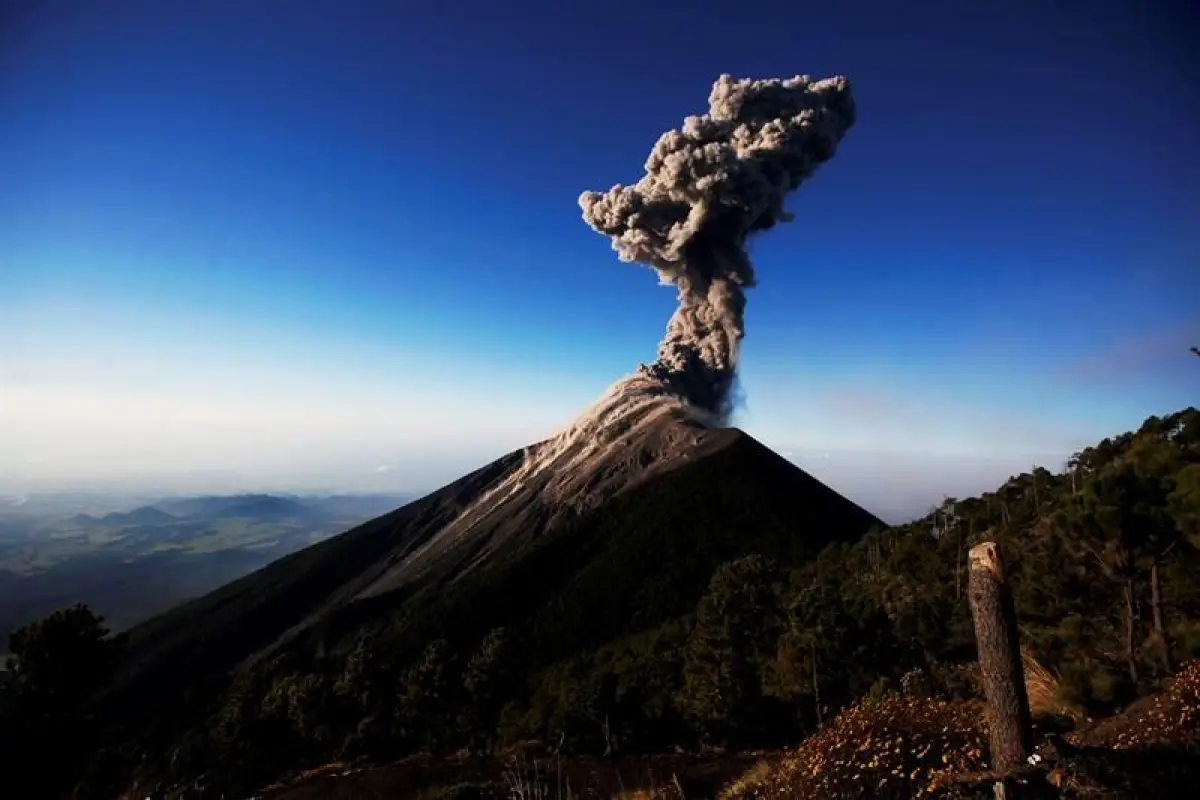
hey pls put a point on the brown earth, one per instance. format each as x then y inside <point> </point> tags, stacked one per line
<point>650,776</point>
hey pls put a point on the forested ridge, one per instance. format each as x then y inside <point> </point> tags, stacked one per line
<point>597,647</point>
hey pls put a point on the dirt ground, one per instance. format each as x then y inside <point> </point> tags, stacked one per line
<point>666,775</point>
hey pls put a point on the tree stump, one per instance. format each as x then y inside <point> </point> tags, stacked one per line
<point>995,619</point>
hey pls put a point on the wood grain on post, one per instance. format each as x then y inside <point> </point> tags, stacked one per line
<point>995,618</point>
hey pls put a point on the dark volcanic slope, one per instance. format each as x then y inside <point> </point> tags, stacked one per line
<point>654,515</point>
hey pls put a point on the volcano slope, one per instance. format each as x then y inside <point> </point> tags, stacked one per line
<point>570,543</point>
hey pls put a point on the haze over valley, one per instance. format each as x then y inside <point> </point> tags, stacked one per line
<point>131,559</point>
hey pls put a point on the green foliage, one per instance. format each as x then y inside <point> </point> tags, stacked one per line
<point>1184,503</point>
<point>429,699</point>
<point>60,661</point>
<point>736,625</point>
<point>488,681</point>
<point>56,667</point>
<point>836,646</point>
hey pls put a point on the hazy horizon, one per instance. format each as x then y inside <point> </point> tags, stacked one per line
<point>877,481</point>
<point>281,247</point>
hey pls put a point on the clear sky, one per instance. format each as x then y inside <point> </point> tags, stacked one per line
<point>316,244</point>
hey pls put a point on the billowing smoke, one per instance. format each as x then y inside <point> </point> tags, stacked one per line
<point>707,187</point>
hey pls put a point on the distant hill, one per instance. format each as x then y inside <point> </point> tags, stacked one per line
<point>359,505</point>
<point>264,506</point>
<point>145,515</point>
<point>254,505</point>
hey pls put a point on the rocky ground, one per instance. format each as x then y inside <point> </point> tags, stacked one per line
<point>902,747</point>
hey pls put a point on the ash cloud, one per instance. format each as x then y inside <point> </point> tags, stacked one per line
<point>708,186</point>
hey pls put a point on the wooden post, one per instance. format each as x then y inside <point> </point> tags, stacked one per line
<point>999,644</point>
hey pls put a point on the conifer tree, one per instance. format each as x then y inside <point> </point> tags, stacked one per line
<point>734,629</point>
<point>487,681</point>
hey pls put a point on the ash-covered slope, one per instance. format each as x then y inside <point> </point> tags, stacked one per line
<point>633,433</point>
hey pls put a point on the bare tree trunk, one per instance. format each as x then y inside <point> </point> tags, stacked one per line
<point>1130,631</point>
<point>958,571</point>
<point>607,731</point>
<point>816,687</point>
<point>1160,630</point>
<point>999,644</point>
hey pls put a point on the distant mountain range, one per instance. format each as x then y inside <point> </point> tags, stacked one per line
<point>132,563</point>
<point>147,515</point>
<point>253,505</point>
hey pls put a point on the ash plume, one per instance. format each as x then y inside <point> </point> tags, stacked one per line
<point>708,186</point>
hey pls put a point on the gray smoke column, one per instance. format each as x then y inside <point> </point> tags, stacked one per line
<point>708,186</point>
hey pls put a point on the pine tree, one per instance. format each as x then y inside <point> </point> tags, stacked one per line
<point>1102,519</point>
<point>1153,463</point>
<point>735,628</point>
<point>56,667</point>
<point>487,680</point>
<point>1184,503</point>
<point>427,698</point>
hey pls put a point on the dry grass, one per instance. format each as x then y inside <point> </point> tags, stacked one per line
<point>527,780</point>
<point>1045,692</point>
<point>672,791</point>
<point>894,747</point>
<point>743,786</point>
<point>326,770</point>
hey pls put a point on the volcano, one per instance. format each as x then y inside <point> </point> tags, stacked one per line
<point>596,518</point>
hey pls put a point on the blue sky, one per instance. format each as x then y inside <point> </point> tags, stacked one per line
<point>336,245</point>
